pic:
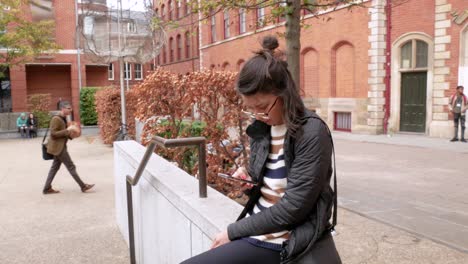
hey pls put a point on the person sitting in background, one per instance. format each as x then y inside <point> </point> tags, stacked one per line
<point>31,125</point>
<point>21,124</point>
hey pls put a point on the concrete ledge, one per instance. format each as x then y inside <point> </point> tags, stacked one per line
<point>12,134</point>
<point>171,222</point>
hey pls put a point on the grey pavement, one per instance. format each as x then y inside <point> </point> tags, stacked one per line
<point>410,140</point>
<point>72,227</point>
<point>419,189</point>
<point>69,227</point>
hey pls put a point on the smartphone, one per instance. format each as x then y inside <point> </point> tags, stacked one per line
<point>229,177</point>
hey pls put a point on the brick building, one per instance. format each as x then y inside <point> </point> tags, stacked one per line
<point>344,73</point>
<point>57,73</point>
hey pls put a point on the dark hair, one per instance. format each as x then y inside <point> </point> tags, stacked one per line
<point>267,73</point>
<point>64,104</point>
<point>460,87</point>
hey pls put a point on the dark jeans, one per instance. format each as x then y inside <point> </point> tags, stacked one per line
<point>64,158</point>
<point>236,252</point>
<point>23,131</point>
<point>242,252</point>
<point>459,118</point>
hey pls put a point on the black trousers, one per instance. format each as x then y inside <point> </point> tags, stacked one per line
<point>459,118</point>
<point>242,252</point>
<point>64,158</point>
<point>236,252</point>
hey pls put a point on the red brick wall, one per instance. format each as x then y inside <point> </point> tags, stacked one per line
<point>96,76</point>
<point>311,73</point>
<point>413,16</point>
<point>187,28</point>
<point>65,23</point>
<point>454,47</point>
<point>343,25</point>
<point>52,79</point>
<point>343,69</point>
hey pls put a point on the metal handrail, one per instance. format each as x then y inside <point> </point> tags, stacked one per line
<point>132,181</point>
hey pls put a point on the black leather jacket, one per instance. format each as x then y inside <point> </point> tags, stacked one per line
<point>306,206</point>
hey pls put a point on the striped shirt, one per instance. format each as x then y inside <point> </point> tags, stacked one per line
<point>274,185</point>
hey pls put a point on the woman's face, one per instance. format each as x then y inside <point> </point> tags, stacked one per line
<point>31,116</point>
<point>267,108</point>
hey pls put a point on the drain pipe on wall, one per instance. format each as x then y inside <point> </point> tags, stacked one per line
<point>388,60</point>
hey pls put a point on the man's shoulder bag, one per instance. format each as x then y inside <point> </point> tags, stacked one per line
<point>45,155</point>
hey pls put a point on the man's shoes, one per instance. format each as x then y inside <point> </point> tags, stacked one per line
<point>454,139</point>
<point>463,140</point>
<point>87,187</point>
<point>50,191</point>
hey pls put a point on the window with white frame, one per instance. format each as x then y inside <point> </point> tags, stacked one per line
<point>110,72</point>
<point>138,71</point>
<point>242,20</point>
<point>260,16</point>
<point>226,24</point>
<point>127,71</point>
<point>131,27</point>
<point>213,28</point>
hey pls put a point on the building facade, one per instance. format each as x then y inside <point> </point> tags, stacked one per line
<point>58,74</point>
<point>389,66</point>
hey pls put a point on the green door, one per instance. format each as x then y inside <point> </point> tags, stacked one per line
<point>413,102</point>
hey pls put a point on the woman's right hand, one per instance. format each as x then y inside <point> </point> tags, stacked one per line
<point>241,173</point>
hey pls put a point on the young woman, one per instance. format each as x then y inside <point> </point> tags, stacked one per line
<point>287,217</point>
<point>31,125</point>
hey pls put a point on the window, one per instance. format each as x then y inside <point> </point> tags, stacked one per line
<point>127,71</point>
<point>187,7</point>
<point>131,27</point>
<point>242,19</point>
<point>213,27</point>
<point>342,121</point>
<point>178,9</point>
<point>260,16</point>
<point>2,32</point>
<point>226,24</point>
<point>164,59</point>
<point>187,45</point>
<point>169,9</point>
<point>171,49</point>
<point>158,60</point>
<point>179,47</point>
<point>282,16</point>
<point>110,72</point>
<point>413,55</point>
<point>163,12</point>
<point>138,71</point>
<point>152,66</point>
<point>88,25</point>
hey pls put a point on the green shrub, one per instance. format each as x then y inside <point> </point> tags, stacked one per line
<point>88,114</point>
<point>39,105</point>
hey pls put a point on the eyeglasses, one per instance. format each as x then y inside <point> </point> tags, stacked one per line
<point>264,116</point>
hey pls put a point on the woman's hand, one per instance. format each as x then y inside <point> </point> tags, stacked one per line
<point>242,173</point>
<point>220,239</point>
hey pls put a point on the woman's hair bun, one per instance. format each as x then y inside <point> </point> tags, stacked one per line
<point>270,43</point>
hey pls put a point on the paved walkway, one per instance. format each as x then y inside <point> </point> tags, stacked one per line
<point>72,227</point>
<point>69,227</point>
<point>409,140</point>
<point>420,189</point>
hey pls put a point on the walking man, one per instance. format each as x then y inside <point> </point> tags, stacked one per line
<point>57,146</point>
<point>458,105</point>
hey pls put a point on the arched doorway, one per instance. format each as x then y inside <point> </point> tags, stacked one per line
<point>413,70</point>
<point>411,106</point>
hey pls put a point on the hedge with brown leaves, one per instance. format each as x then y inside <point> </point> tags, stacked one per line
<point>171,97</point>
<point>108,107</point>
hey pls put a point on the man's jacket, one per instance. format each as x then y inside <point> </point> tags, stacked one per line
<point>453,101</point>
<point>58,135</point>
<point>306,206</point>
